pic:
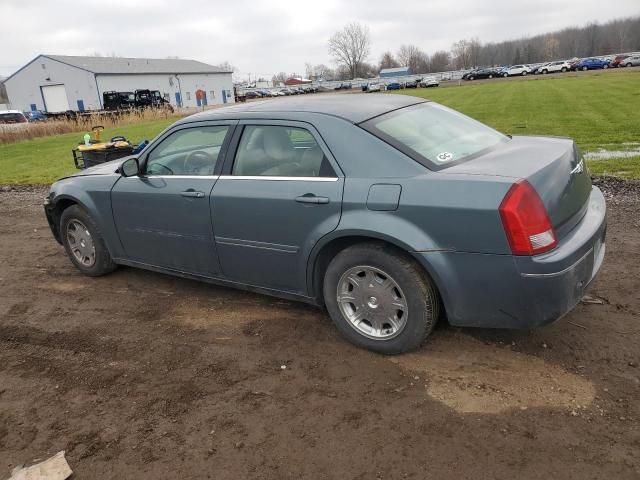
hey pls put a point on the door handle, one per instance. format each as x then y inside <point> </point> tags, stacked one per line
<point>192,194</point>
<point>312,198</point>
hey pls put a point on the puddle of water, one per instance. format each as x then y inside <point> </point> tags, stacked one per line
<point>472,377</point>
<point>603,154</point>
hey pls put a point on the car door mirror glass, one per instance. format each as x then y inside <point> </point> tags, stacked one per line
<point>130,167</point>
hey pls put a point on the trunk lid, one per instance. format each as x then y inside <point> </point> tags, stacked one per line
<point>553,166</point>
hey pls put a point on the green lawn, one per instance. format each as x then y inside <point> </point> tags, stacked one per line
<point>600,110</point>
<point>43,160</point>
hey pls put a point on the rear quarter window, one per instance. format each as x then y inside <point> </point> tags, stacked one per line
<point>434,135</point>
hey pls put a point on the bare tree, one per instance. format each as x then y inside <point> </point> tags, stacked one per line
<point>319,71</point>
<point>439,61</point>
<point>388,61</point>
<point>474,52</point>
<point>279,78</point>
<point>411,56</point>
<point>350,47</point>
<point>551,48</point>
<point>462,54</point>
<point>227,67</point>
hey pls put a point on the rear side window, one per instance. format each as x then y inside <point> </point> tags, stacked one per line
<point>434,135</point>
<point>278,151</point>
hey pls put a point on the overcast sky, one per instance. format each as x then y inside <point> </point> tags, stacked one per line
<point>265,37</point>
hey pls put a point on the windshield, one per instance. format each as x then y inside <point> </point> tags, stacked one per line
<point>12,118</point>
<point>434,135</point>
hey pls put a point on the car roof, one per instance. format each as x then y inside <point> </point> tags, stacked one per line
<point>353,107</point>
<point>10,111</point>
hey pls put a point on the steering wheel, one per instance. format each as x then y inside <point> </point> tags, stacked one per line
<point>197,160</point>
<point>158,165</point>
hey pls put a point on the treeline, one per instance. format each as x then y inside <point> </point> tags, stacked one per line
<point>594,39</point>
<point>350,48</point>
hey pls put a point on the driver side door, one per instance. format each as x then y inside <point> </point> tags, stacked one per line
<point>163,215</point>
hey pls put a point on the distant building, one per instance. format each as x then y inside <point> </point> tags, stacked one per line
<point>395,72</point>
<point>296,81</point>
<point>58,83</point>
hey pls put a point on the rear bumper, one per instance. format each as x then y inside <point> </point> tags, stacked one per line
<point>504,291</point>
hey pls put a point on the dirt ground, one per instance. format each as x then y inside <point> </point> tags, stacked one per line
<point>145,376</point>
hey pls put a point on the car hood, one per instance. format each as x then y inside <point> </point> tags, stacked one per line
<point>107,168</point>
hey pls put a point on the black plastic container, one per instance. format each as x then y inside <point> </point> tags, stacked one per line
<point>91,158</point>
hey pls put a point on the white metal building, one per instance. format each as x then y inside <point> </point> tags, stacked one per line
<point>57,83</point>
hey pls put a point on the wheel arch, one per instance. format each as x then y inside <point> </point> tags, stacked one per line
<point>329,246</point>
<point>65,199</point>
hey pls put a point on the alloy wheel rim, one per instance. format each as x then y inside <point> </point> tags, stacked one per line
<point>372,302</point>
<point>81,243</point>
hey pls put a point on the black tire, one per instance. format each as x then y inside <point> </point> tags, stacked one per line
<point>103,263</point>
<point>584,69</point>
<point>505,75</point>
<point>524,74</point>
<point>544,72</point>
<point>491,76</point>
<point>564,69</point>
<point>605,66</point>
<point>418,291</point>
<point>628,64</point>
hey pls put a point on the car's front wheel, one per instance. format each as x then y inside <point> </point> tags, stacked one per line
<point>84,244</point>
<point>380,299</point>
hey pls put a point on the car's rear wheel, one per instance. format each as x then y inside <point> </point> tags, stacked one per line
<point>605,66</point>
<point>84,244</point>
<point>544,72</point>
<point>490,76</point>
<point>628,64</point>
<point>380,299</point>
<point>564,69</point>
<point>584,69</point>
<point>524,74</point>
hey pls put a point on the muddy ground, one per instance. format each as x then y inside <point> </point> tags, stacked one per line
<point>145,376</point>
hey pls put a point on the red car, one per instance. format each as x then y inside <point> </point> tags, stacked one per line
<point>619,61</point>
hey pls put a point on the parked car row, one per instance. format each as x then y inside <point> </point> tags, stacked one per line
<point>575,64</point>
<point>424,82</point>
<point>282,92</point>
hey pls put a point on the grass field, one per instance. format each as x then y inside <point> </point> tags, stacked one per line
<point>599,110</point>
<point>43,160</point>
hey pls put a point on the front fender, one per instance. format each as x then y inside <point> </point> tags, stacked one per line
<point>93,194</point>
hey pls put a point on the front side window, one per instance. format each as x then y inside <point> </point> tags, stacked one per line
<point>434,135</point>
<point>191,151</point>
<point>269,150</point>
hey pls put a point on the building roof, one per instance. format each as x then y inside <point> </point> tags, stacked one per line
<point>121,65</point>
<point>353,108</point>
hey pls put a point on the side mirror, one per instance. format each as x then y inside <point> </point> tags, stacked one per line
<point>130,167</point>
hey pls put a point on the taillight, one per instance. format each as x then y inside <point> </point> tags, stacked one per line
<point>525,221</point>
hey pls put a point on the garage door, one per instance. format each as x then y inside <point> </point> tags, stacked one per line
<point>55,98</point>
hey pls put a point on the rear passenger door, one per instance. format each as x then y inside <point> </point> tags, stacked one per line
<point>280,191</point>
